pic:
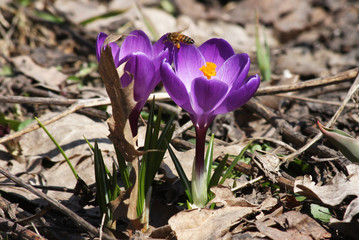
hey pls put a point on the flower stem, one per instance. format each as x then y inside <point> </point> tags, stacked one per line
<point>199,174</point>
<point>133,119</point>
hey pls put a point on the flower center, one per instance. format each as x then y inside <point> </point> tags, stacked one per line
<point>209,69</point>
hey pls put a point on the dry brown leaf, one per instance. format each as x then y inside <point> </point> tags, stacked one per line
<point>269,164</point>
<point>50,78</point>
<point>269,204</point>
<point>112,38</point>
<point>198,224</point>
<point>333,193</point>
<point>225,196</point>
<point>294,226</point>
<point>122,102</point>
<point>89,9</point>
<point>41,153</point>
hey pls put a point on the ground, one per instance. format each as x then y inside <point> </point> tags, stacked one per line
<point>291,184</point>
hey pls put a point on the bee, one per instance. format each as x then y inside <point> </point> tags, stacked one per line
<point>176,38</point>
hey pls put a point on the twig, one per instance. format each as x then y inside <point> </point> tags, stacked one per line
<point>325,102</point>
<point>73,108</point>
<point>47,188</point>
<point>92,102</point>
<point>183,128</point>
<point>38,100</point>
<point>280,143</point>
<point>101,225</point>
<point>37,232</point>
<point>19,231</point>
<point>288,132</point>
<point>55,204</point>
<point>352,90</point>
<point>341,77</point>
<point>240,166</point>
<point>247,183</point>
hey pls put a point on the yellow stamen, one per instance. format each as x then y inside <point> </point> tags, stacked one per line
<point>209,69</point>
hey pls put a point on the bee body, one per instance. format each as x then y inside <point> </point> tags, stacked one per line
<point>176,38</point>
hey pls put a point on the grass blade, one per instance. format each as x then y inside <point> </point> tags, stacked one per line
<point>263,54</point>
<point>229,169</point>
<point>102,183</point>
<point>185,182</point>
<point>59,147</point>
<point>124,173</point>
<point>209,159</point>
<point>218,172</point>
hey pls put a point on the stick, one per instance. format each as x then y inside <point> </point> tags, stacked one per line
<point>19,231</point>
<point>318,82</point>
<point>55,204</point>
<point>352,90</point>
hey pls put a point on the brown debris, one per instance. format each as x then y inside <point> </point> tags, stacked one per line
<point>293,225</point>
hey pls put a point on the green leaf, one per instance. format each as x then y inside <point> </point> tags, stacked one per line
<point>218,172</point>
<point>300,198</point>
<point>348,145</point>
<point>49,17</point>
<point>58,147</point>
<point>208,160</point>
<point>144,162</point>
<point>124,172</point>
<point>24,124</point>
<point>6,70</point>
<point>230,168</point>
<point>102,184</point>
<point>320,213</point>
<point>14,124</point>
<point>115,189</point>
<point>185,182</point>
<point>263,55</point>
<point>168,6</point>
<point>155,148</point>
<point>102,16</point>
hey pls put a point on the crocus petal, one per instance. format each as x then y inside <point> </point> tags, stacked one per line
<point>157,61</point>
<point>99,42</point>
<point>238,97</point>
<point>187,64</point>
<point>216,50</point>
<point>142,70</point>
<point>161,46</point>
<point>115,49</point>
<point>206,94</point>
<point>235,69</point>
<point>175,87</point>
<point>136,41</point>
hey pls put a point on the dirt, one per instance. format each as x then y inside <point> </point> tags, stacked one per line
<point>48,51</point>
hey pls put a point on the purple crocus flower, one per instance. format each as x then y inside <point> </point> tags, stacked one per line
<point>142,64</point>
<point>207,81</point>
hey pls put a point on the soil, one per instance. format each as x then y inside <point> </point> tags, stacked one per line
<point>49,70</point>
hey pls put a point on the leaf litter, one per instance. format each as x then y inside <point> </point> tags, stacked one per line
<point>320,42</point>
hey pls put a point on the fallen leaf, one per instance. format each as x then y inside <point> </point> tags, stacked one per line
<point>269,204</point>
<point>198,224</point>
<point>225,196</point>
<point>51,78</point>
<point>333,194</point>
<point>292,225</point>
<point>46,165</point>
<point>122,102</point>
<point>78,11</point>
<point>269,164</point>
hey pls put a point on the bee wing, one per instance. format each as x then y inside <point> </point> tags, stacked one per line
<point>184,29</point>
